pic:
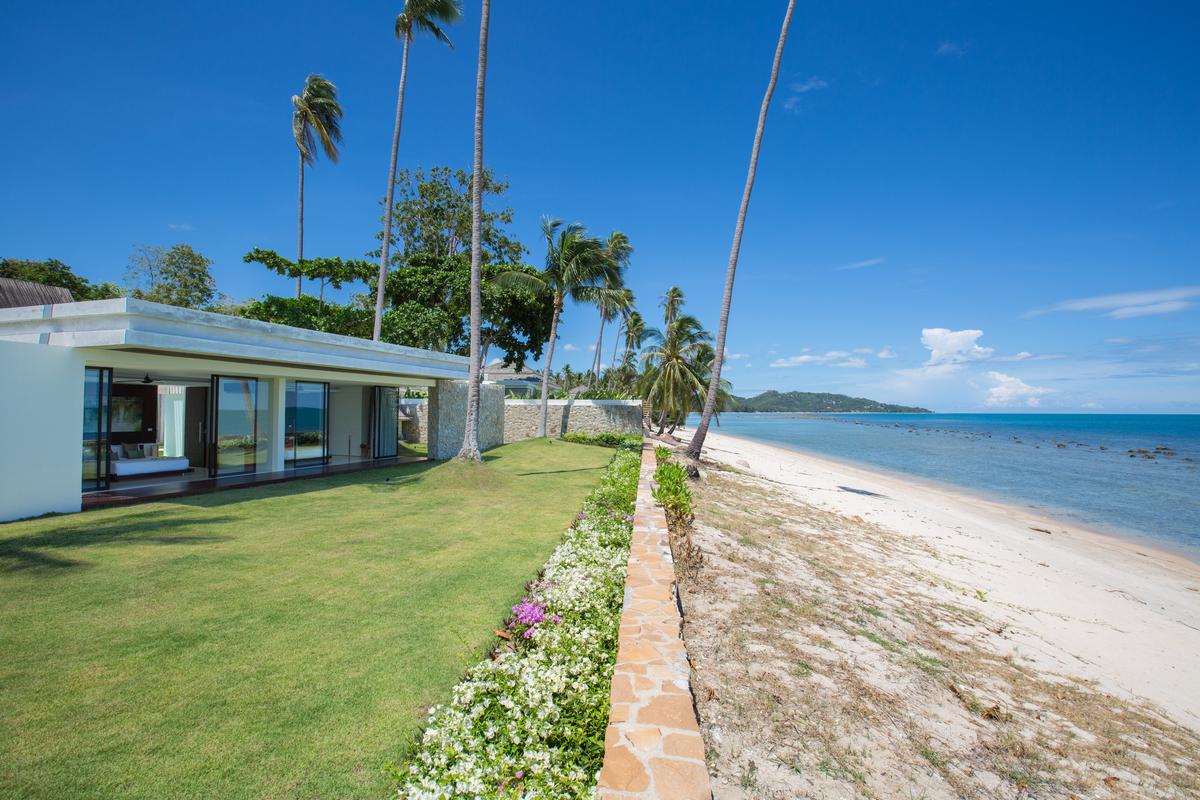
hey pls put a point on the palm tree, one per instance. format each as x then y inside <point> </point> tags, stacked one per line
<point>671,303</point>
<point>628,307</point>
<point>714,384</point>
<point>470,446</point>
<point>673,359</point>
<point>577,265</point>
<point>612,301</point>
<point>620,251</point>
<point>419,16</point>
<point>317,116</point>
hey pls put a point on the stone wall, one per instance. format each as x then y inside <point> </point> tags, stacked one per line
<point>652,746</point>
<point>447,418</point>
<point>416,428</point>
<point>571,416</point>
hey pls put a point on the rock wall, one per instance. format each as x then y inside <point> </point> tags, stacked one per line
<point>571,416</point>
<point>446,418</point>
<point>416,428</point>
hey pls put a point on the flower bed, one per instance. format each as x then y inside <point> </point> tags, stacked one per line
<point>530,721</point>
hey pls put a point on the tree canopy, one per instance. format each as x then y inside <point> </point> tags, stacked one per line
<point>432,215</point>
<point>176,276</point>
<point>53,272</point>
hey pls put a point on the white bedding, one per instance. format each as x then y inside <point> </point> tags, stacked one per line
<point>128,467</point>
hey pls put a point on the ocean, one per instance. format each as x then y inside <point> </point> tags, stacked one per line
<point>1131,475</point>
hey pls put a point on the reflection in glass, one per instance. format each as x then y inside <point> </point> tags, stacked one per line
<point>386,424</point>
<point>97,391</point>
<point>239,426</point>
<point>306,420</point>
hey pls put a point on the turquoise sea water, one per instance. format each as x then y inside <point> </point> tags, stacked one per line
<point>1092,479</point>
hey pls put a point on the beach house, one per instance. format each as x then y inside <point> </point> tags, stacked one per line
<point>124,393</point>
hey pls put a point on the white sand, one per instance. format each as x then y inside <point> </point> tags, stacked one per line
<point>1079,603</point>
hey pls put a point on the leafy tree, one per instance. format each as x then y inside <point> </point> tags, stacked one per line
<point>419,16</point>
<point>317,117</point>
<point>714,385</point>
<point>53,272</point>
<point>331,271</point>
<point>177,276</point>
<point>576,266</point>
<point>430,301</point>
<point>432,214</point>
<point>308,312</point>
<point>670,379</point>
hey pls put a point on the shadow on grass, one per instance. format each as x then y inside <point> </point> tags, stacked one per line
<point>20,553</point>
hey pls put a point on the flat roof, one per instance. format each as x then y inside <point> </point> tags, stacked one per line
<point>137,326</point>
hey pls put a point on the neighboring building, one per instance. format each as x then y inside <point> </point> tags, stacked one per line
<point>525,383</point>
<point>18,294</point>
<point>125,390</point>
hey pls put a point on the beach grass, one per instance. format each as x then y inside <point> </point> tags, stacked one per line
<point>278,641</point>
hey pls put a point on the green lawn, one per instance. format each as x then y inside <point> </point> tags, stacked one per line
<point>272,642</point>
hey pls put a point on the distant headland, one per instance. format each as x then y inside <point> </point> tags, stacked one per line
<point>818,403</point>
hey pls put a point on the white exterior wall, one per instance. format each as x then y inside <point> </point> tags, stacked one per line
<point>41,426</point>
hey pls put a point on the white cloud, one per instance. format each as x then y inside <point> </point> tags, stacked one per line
<point>1010,391</point>
<point>950,49</point>
<point>570,348</point>
<point>856,265</point>
<point>864,350</point>
<point>1119,340</point>
<point>853,363</point>
<point>793,102</point>
<point>1092,405</point>
<point>182,226</point>
<point>495,361</point>
<point>1124,305</point>
<point>592,347</point>
<point>748,365</point>
<point>735,356</point>
<point>807,86</point>
<point>886,353</point>
<point>952,347</point>
<point>799,361</point>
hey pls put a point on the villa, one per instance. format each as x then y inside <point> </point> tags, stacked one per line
<point>152,393</point>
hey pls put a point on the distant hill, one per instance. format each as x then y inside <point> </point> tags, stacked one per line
<point>818,403</point>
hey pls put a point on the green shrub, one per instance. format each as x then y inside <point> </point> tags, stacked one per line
<point>673,492</point>
<point>605,439</point>
<point>662,454</point>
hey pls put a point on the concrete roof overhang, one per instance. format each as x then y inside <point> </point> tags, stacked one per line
<point>134,334</point>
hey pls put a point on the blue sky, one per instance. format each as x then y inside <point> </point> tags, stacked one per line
<point>969,206</point>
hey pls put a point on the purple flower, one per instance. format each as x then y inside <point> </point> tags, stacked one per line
<point>529,611</point>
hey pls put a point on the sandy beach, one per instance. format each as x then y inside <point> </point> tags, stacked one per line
<point>968,620</point>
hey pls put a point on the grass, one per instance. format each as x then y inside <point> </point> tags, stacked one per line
<point>279,641</point>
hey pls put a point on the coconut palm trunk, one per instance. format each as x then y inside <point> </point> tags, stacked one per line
<point>300,245</point>
<point>470,447</point>
<point>599,339</point>
<point>545,404</point>
<point>714,385</point>
<point>385,250</point>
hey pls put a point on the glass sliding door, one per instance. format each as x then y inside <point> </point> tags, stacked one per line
<point>238,425</point>
<point>385,422</point>
<point>306,423</point>
<point>97,424</point>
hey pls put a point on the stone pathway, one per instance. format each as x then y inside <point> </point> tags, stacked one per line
<point>653,747</point>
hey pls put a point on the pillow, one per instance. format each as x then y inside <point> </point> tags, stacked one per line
<point>116,451</point>
<point>132,451</point>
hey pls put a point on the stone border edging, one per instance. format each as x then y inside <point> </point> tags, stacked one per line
<point>652,747</point>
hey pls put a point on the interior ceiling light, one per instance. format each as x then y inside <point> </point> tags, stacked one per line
<point>147,379</point>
